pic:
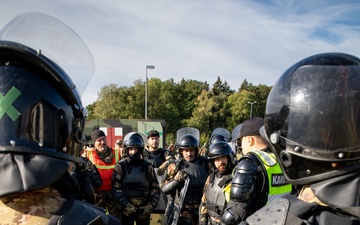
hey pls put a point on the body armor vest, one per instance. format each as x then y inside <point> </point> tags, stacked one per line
<point>135,182</point>
<point>156,158</point>
<point>215,197</point>
<point>198,172</point>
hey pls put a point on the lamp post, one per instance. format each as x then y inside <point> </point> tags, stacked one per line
<point>148,67</point>
<point>251,103</point>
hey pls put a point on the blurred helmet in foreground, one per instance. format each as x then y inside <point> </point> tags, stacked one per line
<point>313,118</point>
<point>41,114</point>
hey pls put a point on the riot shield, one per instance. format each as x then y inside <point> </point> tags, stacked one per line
<point>169,212</point>
<point>221,131</point>
<point>187,130</point>
<point>179,200</point>
<point>174,206</point>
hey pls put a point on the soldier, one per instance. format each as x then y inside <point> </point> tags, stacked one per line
<point>119,145</point>
<point>258,177</point>
<point>41,123</point>
<point>192,165</point>
<point>152,153</point>
<point>135,186</point>
<point>218,134</point>
<point>104,158</point>
<point>213,201</point>
<point>313,124</point>
<point>157,156</point>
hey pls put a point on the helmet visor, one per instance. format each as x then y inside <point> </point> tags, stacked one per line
<point>57,42</point>
<point>221,131</point>
<point>187,130</point>
<point>324,113</point>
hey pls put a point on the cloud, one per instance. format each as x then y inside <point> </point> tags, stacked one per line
<point>200,40</point>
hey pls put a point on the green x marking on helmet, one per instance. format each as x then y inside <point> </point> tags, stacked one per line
<point>6,104</point>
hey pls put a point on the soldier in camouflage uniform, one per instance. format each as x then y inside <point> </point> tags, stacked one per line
<point>135,186</point>
<point>213,201</point>
<point>41,123</point>
<point>192,165</point>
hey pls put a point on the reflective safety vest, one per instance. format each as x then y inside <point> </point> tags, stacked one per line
<point>105,169</point>
<point>278,185</point>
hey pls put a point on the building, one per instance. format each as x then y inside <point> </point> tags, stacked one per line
<point>117,129</point>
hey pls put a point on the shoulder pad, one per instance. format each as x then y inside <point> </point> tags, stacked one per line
<point>272,213</point>
<point>247,165</point>
<point>266,158</point>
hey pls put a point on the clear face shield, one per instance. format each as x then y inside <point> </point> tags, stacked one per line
<point>324,113</point>
<point>58,42</point>
<point>221,131</point>
<point>187,130</point>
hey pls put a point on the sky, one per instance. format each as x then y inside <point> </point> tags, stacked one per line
<point>200,39</point>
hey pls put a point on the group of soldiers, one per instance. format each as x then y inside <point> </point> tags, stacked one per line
<point>300,164</point>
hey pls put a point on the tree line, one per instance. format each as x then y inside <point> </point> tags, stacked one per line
<point>187,103</point>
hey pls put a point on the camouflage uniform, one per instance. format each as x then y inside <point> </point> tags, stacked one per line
<point>175,173</point>
<point>35,207</point>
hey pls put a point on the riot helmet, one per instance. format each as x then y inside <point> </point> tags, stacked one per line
<point>217,138</point>
<point>188,137</point>
<point>188,141</point>
<point>313,118</point>
<point>219,134</point>
<point>135,140</point>
<point>42,117</point>
<point>222,148</point>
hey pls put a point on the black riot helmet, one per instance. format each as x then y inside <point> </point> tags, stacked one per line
<point>222,148</point>
<point>42,117</point>
<point>313,118</point>
<point>217,138</point>
<point>134,139</point>
<point>188,141</point>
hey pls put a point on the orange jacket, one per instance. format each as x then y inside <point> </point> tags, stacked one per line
<point>105,169</point>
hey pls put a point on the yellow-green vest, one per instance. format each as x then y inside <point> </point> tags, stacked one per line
<point>278,186</point>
